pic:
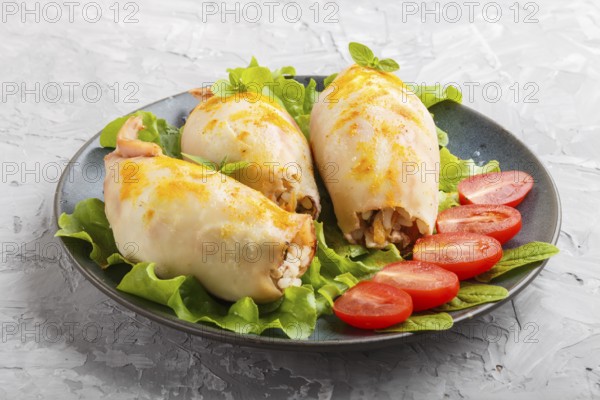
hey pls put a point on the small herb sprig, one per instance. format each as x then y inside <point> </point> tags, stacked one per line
<point>363,56</point>
<point>224,167</point>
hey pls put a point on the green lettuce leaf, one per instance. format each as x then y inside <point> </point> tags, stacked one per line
<point>155,130</point>
<point>443,139</point>
<point>431,95</point>
<point>447,200</point>
<point>297,99</point>
<point>295,314</point>
<point>336,241</point>
<point>423,322</point>
<point>519,257</point>
<point>453,170</point>
<point>361,266</point>
<point>472,294</point>
<point>327,288</point>
<point>331,273</point>
<point>88,222</point>
<point>303,122</point>
<point>253,78</point>
<point>329,79</point>
<point>170,138</point>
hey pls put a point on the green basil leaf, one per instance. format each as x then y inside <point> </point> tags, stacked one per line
<point>515,258</point>
<point>423,322</point>
<point>374,63</point>
<point>361,54</point>
<point>388,65</point>
<point>232,168</point>
<point>224,167</point>
<point>201,161</point>
<point>472,294</point>
<point>223,162</point>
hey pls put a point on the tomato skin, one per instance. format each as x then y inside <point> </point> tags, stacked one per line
<point>372,305</point>
<point>464,253</point>
<point>498,221</point>
<point>427,284</point>
<point>507,188</point>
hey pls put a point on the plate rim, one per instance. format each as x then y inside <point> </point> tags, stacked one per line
<point>278,343</point>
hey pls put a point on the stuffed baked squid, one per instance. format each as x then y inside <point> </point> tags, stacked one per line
<point>191,220</point>
<point>379,144</point>
<point>254,128</point>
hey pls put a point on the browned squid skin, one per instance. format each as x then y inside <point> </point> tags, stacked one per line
<point>255,128</point>
<point>201,94</point>
<point>190,220</point>
<point>370,127</point>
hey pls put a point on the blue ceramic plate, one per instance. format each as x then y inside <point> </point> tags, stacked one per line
<point>471,136</point>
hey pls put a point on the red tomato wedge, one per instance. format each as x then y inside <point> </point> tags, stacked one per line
<point>500,222</point>
<point>508,188</point>
<point>372,305</point>
<point>464,253</point>
<point>427,284</point>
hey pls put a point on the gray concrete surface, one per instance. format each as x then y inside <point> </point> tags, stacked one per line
<point>533,68</point>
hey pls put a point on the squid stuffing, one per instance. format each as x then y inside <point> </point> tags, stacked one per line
<point>381,143</point>
<point>191,220</point>
<point>254,128</point>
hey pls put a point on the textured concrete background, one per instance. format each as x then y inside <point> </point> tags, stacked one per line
<point>534,69</point>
